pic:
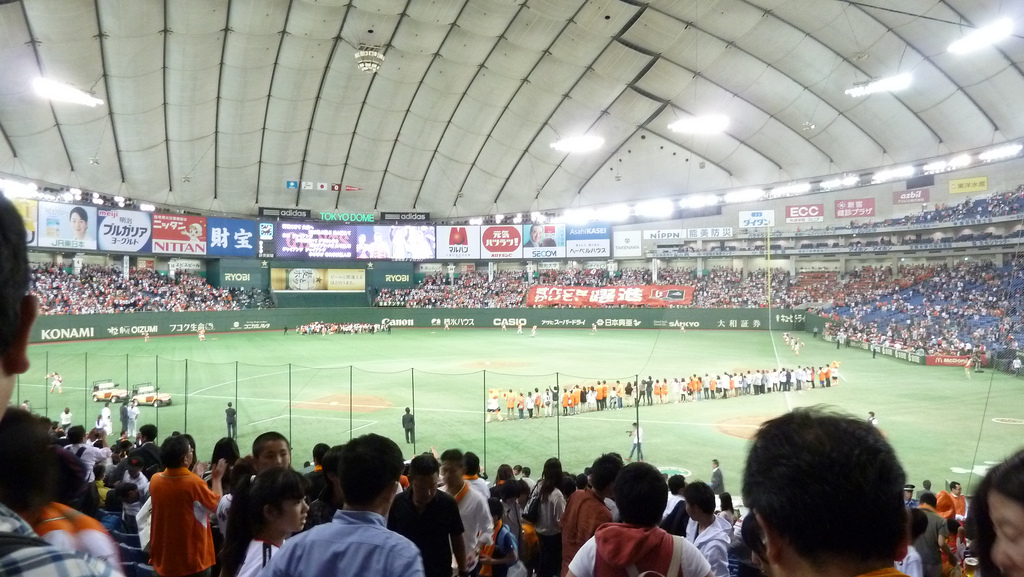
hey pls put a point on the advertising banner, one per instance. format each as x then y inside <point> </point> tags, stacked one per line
<point>29,211</point>
<point>664,234</point>
<point>314,241</point>
<point>66,226</point>
<point>646,295</point>
<point>713,232</point>
<point>407,216</point>
<point>501,241</point>
<point>230,237</point>
<point>757,218</point>
<point>588,241</point>
<point>395,242</point>
<point>544,240</point>
<point>855,208</point>
<point>318,279</point>
<point>962,185</point>
<point>300,213</point>
<point>913,196</point>
<point>125,230</point>
<point>805,213</point>
<point>458,242</point>
<point>627,243</point>
<point>947,360</point>
<point>179,234</point>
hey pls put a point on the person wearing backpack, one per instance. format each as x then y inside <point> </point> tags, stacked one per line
<point>636,545</point>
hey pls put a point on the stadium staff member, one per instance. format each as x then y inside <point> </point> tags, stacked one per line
<point>24,553</point>
<point>826,493</point>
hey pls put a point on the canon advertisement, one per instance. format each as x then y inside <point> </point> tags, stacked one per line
<point>805,213</point>
<point>458,242</point>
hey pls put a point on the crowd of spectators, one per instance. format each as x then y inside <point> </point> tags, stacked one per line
<point>103,290</point>
<point>471,290</point>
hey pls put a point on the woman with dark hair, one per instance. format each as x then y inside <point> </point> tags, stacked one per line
<point>504,474</point>
<point>997,514</point>
<point>226,449</point>
<point>79,219</point>
<point>265,510</point>
<point>549,532</point>
<point>728,513</point>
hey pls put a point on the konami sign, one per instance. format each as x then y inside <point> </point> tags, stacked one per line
<point>805,213</point>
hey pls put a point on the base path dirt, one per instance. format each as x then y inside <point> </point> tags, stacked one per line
<point>742,427</point>
<point>360,403</point>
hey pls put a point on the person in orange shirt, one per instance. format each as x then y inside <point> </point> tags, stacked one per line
<point>575,404</point>
<point>600,391</point>
<point>952,504</point>
<point>510,399</point>
<point>180,540</point>
<point>714,387</point>
<point>565,403</point>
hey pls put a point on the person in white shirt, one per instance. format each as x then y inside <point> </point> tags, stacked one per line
<point>478,526</point>
<point>266,510</point>
<point>65,419</point>
<point>107,421</point>
<point>471,474</point>
<point>133,418</point>
<point>710,534</point>
<point>912,564</point>
<point>89,454</point>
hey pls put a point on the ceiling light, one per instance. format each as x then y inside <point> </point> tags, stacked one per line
<point>499,217</point>
<point>518,219</point>
<point>476,221</point>
<point>698,201</point>
<point>1000,153</point>
<point>962,161</point>
<point>789,190</point>
<point>585,143</point>
<point>579,216</point>
<point>369,58</point>
<point>891,84</point>
<point>654,208</point>
<point>537,217</point>
<point>933,167</point>
<point>844,182</point>
<point>63,92</point>
<point>749,195</point>
<point>613,213</point>
<point>982,37</point>
<point>893,174</point>
<point>710,124</point>
<point>147,207</point>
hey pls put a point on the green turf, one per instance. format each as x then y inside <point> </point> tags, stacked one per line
<point>940,422</point>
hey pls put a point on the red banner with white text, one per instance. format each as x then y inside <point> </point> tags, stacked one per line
<point>948,360</point>
<point>574,296</point>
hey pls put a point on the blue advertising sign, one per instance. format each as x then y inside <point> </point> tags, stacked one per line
<point>230,237</point>
<point>588,240</point>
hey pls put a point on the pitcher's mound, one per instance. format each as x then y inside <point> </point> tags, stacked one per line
<point>360,403</point>
<point>742,427</point>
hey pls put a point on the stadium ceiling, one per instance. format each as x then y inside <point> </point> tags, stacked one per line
<point>214,104</point>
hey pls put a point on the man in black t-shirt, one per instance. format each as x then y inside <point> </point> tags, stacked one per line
<point>230,415</point>
<point>430,519</point>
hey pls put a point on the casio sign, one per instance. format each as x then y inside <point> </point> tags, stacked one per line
<point>237,277</point>
<point>509,322</point>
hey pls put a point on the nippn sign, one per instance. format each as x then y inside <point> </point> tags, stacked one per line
<point>805,213</point>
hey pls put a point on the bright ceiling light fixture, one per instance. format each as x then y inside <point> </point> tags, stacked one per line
<point>962,161</point>
<point>63,92</point>
<point>845,182</point>
<point>749,195</point>
<point>890,84</point>
<point>613,213</point>
<point>893,174</point>
<point>1000,153</point>
<point>789,190</point>
<point>654,208</point>
<point>982,37</point>
<point>584,143</point>
<point>710,124</point>
<point>578,216</point>
<point>696,201</point>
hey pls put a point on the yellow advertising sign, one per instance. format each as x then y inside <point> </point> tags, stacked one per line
<point>318,279</point>
<point>28,209</point>
<point>975,184</point>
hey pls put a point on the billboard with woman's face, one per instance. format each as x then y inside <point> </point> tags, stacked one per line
<point>67,226</point>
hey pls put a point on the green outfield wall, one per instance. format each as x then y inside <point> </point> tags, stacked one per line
<point>78,327</point>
